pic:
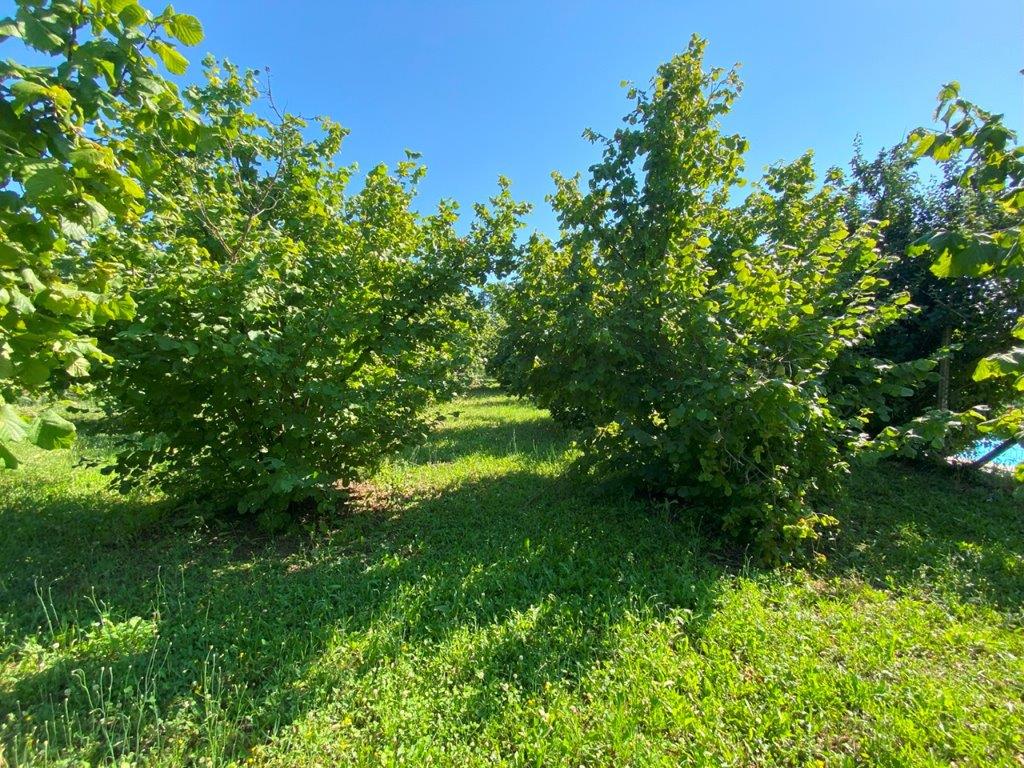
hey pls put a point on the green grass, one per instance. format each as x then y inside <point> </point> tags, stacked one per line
<point>483,604</point>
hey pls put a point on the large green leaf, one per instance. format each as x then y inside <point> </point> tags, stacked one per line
<point>9,28</point>
<point>169,55</point>
<point>78,367</point>
<point>1005,364</point>
<point>7,456</point>
<point>27,92</point>
<point>48,182</point>
<point>32,372</point>
<point>132,15</point>
<point>186,29</point>
<point>20,303</point>
<point>39,35</point>
<point>12,256</point>
<point>51,430</point>
<point>93,156</point>
<point>973,260</point>
<point>12,427</point>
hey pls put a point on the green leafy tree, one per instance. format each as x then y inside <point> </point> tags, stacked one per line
<point>289,334</point>
<point>60,179</point>
<point>692,340</point>
<point>991,164</point>
<point>531,331</point>
<point>957,321</point>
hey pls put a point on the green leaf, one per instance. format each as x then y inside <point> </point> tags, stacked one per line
<point>117,308</point>
<point>32,373</point>
<point>131,186</point>
<point>919,246</point>
<point>186,29</point>
<point>920,143</point>
<point>11,256</point>
<point>132,15</point>
<point>28,92</point>
<point>78,368</point>
<point>974,260</point>
<point>73,230</point>
<point>12,427</point>
<point>174,61</point>
<point>944,147</point>
<point>1006,364</point>
<point>51,430</point>
<point>10,28</point>
<point>92,156</point>
<point>21,303</point>
<point>31,280</point>
<point>7,457</point>
<point>60,97</point>
<point>949,91</point>
<point>39,36</point>
<point>47,182</point>
<point>208,141</point>
<point>97,211</point>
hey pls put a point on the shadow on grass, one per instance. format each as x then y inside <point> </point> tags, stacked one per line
<point>908,525</point>
<point>533,575</point>
<point>493,440</point>
<point>524,577</point>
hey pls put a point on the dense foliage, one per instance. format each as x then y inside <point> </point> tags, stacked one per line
<point>59,180</point>
<point>987,161</point>
<point>693,340</point>
<point>271,334</point>
<point>959,320</point>
<point>288,334</point>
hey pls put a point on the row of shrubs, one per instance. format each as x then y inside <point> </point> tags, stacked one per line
<point>265,335</point>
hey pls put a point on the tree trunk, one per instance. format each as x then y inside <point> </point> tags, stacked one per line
<point>996,452</point>
<point>947,339</point>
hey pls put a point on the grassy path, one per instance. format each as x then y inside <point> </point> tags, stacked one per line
<point>484,605</point>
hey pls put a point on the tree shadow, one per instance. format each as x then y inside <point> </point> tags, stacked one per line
<point>473,428</point>
<point>494,440</point>
<point>532,583</point>
<point>536,571</point>
<point>914,526</point>
<point>527,578</point>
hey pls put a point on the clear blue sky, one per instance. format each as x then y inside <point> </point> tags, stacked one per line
<point>485,88</point>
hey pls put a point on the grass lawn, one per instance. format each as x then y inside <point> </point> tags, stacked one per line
<point>483,604</point>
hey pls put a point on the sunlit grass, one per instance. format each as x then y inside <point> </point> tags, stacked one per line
<point>482,603</point>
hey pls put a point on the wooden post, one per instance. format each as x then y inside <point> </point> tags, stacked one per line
<point>947,339</point>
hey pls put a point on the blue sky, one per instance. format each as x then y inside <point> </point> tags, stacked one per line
<point>488,88</point>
